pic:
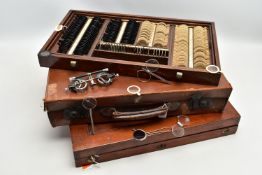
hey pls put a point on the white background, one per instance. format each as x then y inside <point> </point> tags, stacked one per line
<point>29,145</point>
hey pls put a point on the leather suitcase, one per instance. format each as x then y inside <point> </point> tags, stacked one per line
<point>118,140</point>
<point>114,103</point>
<point>124,62</point>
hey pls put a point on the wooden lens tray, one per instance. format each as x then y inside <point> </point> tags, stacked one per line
<point>125,62</point>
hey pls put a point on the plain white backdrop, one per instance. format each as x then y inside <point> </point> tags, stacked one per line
<point>29,145</point>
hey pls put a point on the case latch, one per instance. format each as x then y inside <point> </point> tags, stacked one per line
<point>75,112</point>
<point>85,110</point>
<point>197,101</point>
<point>161,146</point>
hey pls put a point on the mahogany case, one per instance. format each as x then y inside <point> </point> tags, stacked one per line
<point>116,140</point>
<point>157,99</point>
<point>128,64</point>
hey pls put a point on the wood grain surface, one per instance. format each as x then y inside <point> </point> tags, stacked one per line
<point>119,136</point>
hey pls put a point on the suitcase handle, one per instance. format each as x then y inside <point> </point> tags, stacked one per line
<point>160,112</point>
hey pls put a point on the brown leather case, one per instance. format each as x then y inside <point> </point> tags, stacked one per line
<point>116,140</point>
<point>114,103</point>
<point>128,64</point>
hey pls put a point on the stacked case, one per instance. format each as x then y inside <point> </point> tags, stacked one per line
<point>129,84</point>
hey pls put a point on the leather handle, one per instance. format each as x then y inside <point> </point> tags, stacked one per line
<point>160,112</point>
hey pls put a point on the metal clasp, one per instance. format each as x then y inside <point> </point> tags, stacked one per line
<point>89,105</point>
<point>93,160</point>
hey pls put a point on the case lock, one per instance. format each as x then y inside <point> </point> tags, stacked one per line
<point>161,146</point>
<point>173,106</point>
<point>79,111</point>
<point>198,102</point>
<point>75,112</point>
